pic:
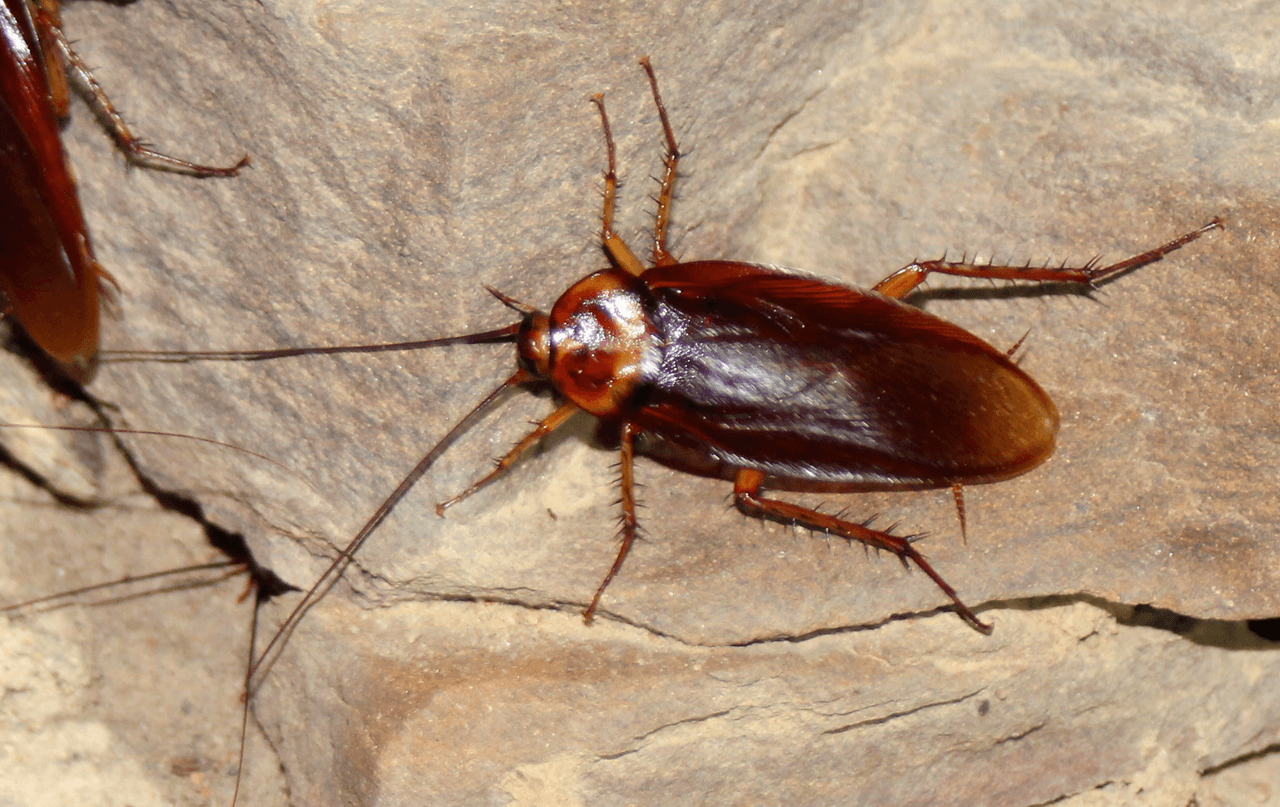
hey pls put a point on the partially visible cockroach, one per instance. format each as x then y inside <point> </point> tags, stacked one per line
<point>48,274</point>
<point>760,375</point>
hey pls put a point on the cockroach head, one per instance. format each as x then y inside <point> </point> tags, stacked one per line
<point>534,338</point>
<point>533,345</point>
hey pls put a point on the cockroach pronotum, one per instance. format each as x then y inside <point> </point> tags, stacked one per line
<point>759,375</point>
<point>48,273</point>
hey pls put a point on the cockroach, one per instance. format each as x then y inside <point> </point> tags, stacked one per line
<point>48,273</point>
<point>760,375</point>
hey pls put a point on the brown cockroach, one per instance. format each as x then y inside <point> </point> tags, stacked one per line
<point>760,375</point>
<point>50,279</point>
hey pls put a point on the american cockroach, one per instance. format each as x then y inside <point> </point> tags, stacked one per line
<point>48,273</point>
<point>763,376</point>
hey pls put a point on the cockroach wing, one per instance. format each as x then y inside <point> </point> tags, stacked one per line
<point>47,271</point>
<point>811,381</point>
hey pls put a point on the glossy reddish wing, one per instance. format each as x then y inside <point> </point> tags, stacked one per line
<point>807,380</point>
<point>47,270</point>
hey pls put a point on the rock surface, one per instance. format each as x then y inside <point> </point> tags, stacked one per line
<point>405,154</point>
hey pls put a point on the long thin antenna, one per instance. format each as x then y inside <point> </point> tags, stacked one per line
<point>332,574</point>
<point>507,334</point>
<point>199,575</point>
<point>153,433</point>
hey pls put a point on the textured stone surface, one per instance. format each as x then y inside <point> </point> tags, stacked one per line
<point>405,154</point>
<point>133,702</point>
<point>527,708</point>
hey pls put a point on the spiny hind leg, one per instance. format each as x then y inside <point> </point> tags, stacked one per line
<point>901,282</point>
<point>747,497</point>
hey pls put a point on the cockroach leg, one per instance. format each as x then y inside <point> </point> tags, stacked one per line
<point>48,15</point>
<point>548,424</point>
<point>666,185</point>
<point>746,495</point>
<point>627,533</point>
<point>957,492</point>
<point>610,174</point>
<point>614,246</point>
<point>901,282</point>
<point>135,151</point>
